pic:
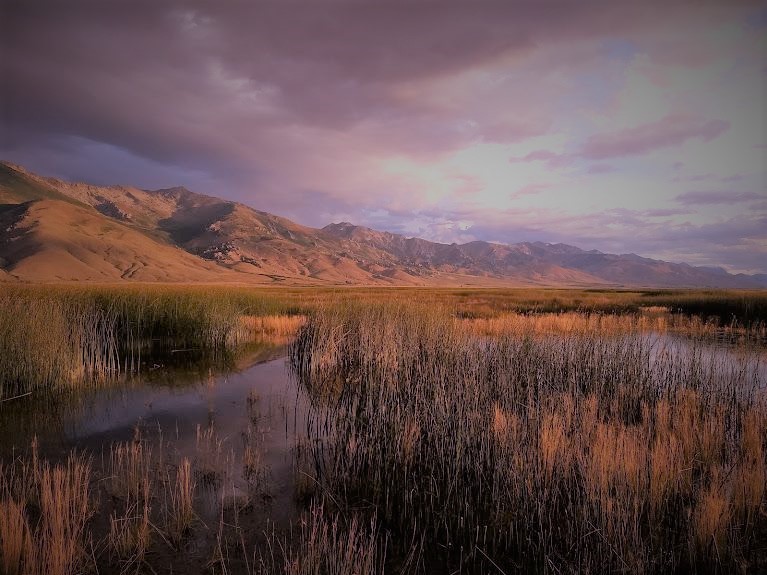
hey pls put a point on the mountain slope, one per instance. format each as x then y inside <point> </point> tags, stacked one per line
<point>52,230</point>
<point>46,240</point>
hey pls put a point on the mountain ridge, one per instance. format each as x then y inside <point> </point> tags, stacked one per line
<point>54,230</point>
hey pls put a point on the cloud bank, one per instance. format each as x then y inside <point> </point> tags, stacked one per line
<point>595,123</point>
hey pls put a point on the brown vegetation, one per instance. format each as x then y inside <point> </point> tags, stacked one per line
<point>591,452</point>
<point>477,432</point>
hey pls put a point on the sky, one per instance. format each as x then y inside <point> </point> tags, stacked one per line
<point>626,127</point>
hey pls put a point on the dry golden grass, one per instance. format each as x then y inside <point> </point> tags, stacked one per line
<point>130,533</point>
<point>566,448</point>
<point>15,537</point>
<point>130,466</point>
<point>65,508</point>
<point>56,543</point>
<point>665,476</point>
<point>656,320</point>
<point>713,515</point>
<point>325,543</point>
<point>179,502</point>
<point>130,482</point>
<point>64,335</point>
<point>554,447</point>
<point>59,337</point>
<point>47,342</point>
<point>544,441</point>
<point>283,326</point>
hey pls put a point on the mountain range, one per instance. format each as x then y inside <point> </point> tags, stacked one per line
<point>57,231</point>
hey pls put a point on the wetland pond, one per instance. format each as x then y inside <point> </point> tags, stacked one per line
<point>245,428</point>
<point>242,426</point>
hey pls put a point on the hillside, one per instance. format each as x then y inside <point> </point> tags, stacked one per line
<point>52,230</point>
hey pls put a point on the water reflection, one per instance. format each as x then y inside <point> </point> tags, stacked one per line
<point>239,423</point>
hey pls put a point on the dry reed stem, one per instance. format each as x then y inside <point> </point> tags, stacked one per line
<point>594,451</point>
<point>179,507</point>
<point>15,537</point>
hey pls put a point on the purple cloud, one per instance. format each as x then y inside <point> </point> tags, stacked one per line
<point>715,198</point>
<point>665,212</point>
<point>530,190</point>
<point>552,159</point>
<point>739,243</point>
<point>666,132</point>
<point>600,169</point>
<point>708,178</point>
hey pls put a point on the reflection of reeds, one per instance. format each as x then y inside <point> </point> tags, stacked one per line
<point>589,451</point>
<point>252,467</point>
<point>209,463</point>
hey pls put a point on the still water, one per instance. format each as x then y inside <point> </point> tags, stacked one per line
<point>245,427</point>
<point>180,411</point>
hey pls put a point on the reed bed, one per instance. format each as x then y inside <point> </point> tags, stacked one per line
<point>63,337</point>
<point>45,510</point>
<point>529,450</point>
<point>470,431</point>
<point>179,503</point>
<point>131,486</point>
<point>46,342</point>
<point>324,542</point>
<point>52,522</point>
<point>650,320</point>
<point>70,518</point>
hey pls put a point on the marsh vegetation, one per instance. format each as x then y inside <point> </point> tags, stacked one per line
<point>410,431</point>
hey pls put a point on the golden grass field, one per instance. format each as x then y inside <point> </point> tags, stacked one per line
<point>453,431</point>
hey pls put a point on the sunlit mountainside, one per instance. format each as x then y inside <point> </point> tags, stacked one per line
<point>52,230</point>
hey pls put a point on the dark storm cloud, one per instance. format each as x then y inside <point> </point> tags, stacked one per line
<point>161,79</point>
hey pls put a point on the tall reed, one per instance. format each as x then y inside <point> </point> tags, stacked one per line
<point>325,543</point>
<point>59,337</point>
<point>48,342</point>
<point>46,510</point>
<point>611,451</point>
